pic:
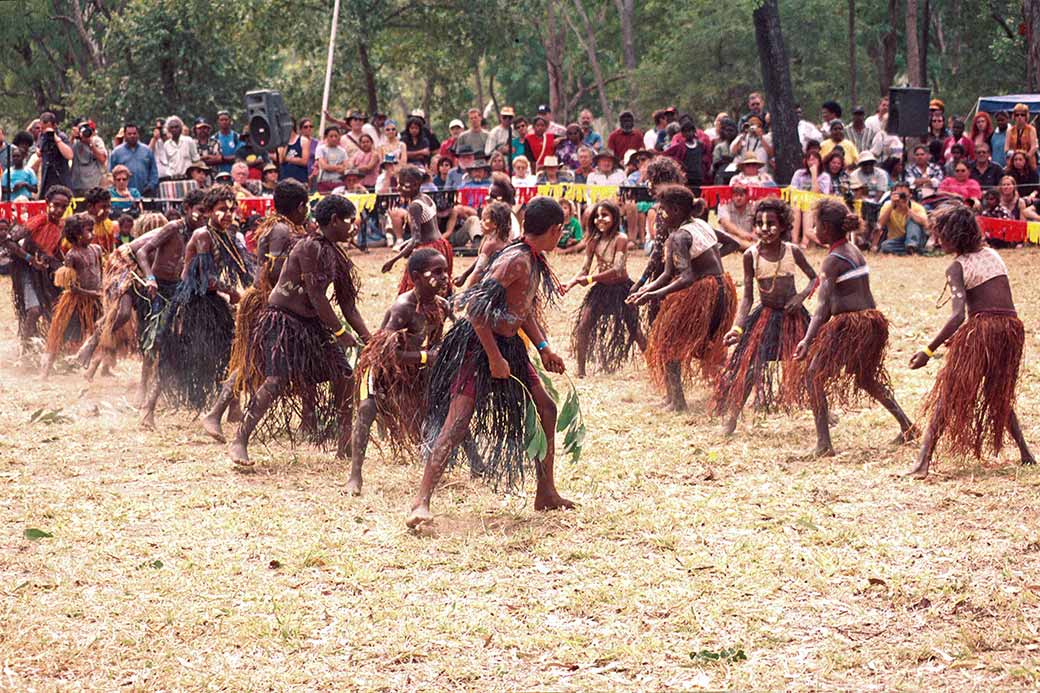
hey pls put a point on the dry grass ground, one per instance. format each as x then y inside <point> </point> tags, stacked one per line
<point>167,570</point>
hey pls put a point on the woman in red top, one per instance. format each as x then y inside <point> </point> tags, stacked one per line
<point>961,183</point>
<point>540,143</point>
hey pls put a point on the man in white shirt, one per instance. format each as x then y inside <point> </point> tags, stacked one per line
<point>176,153</point>
<point>877,121</point>
<point>806,130</point>
<point>498,138</point>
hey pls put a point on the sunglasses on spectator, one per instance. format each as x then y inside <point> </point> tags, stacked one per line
<point>122,177</point>
<point>391,129</point>
<point>1020,115</point>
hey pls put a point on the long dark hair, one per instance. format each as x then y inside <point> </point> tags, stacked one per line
<point>615,213</point>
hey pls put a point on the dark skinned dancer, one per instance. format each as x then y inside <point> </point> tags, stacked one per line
<point>196,328</point>
<point>972,403</point>
<point>393,370</point>
<point>482,376</point>
<point>36,250</point>
<point>698,299</point>
<point>79,305</point>
<point>766,336</point>
<point>607,326</point>
<point>495,222</point>
<point>299,342</point>
<point>422,224</point>
<point>275,237</point>
<point>843,351</point>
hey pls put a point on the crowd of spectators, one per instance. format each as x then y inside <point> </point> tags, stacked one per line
<point>991,165</point>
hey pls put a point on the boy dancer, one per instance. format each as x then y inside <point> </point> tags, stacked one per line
<point>843,350</point>
<point>699,300</point>
<point>275,237</point>
<point>79,305</point>
<point>422,224</point>
<point>298,343</point>
<point>766,336</point>
<point>394,366</point>
<point>972,402</point>
<point>482,376</point>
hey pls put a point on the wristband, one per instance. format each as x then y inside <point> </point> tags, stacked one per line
<point>340,332</point>
<point>423,357</point>
<point>542,345</point>
<point>150,277</point>
<point>739,330</point>
<point>591,283</point>
<point>928,352</point>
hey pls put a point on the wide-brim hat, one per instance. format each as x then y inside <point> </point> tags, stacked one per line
<point>507,111</point>
<point>388,160</point>
<point>608,155</point>
<point>866,158</point>
<point>480,162</point>
<point>353,172</point>
<point>751,158</point>
<point>550,162</point>
<point>637,154</point>
<point>199,165</point>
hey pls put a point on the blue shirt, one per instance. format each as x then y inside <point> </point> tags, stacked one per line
<point>229,144</point>
<point>997,142</point>
<point>594,140</point>
<point>13,177</point>
<point>144,174</point>
<point>122,204</point>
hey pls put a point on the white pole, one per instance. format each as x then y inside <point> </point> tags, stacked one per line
<point>328,67</point>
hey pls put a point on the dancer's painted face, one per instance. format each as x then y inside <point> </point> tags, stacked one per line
<point>223,214</point>
<point>767,227</point>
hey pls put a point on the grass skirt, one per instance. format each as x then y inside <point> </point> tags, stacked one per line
<point>850,352</point>
<point>690,326</point>
<point>245,374</point>
<point>302,352</point>
<point>194,341</point>
<point>974,392</point>
<point>441,245</point>
<point>118,279</point>
<point>763,360</point>
<point>40,283</point>
<point>72,322</point>
<point>613,325</point>
<point>398,390</point>
<point>497,425</point>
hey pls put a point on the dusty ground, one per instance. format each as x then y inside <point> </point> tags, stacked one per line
<point>168,570</point>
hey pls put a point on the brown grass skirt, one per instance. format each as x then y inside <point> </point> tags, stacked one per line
<point>974,392</point>
<point>850,352</point>
<point>243,372</point>
<point>763,359</point>
<point>118,279</point>
<point>441,245</point>
<point>613,325</point>
<point>72,322</point>
<point>399,392</point>
<point>690,326</point>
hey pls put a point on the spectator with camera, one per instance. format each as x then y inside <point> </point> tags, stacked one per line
<point>903,223</point>
<point>138,159</point>
<point>55,153</point>
<point>753,141</point>
<point>89,158</point>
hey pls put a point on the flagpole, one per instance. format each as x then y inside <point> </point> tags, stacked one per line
<point>328,67</point>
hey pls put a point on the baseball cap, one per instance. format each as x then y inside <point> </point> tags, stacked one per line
<point>857,109</point>
<point>544,108</point>
<point>455,124</point>
<point>200,121</point>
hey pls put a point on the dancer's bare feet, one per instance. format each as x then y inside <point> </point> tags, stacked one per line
<point>551,501</point>
<point>818,452</point>
<point>211,425</point>
<point>354,485</point>
<point>239,454</point>
<point>148,421</point>
<point>920,471</point>
<point>420,515</point>
<point>234,412</point>
<point>1028,459</point>
<point>729,427</point>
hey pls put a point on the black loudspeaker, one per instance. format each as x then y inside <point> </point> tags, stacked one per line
<point>270,125</point>
<point>908,111</point>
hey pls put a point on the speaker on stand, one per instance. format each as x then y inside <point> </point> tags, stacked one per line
<point>908,113</point>
<point>270,124</point>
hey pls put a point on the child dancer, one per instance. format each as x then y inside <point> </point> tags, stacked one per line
<point>394,366</point>
<point>843,351</point>
<point>495,222</point>
<point>699,300</point>
<point>766,336</point>
<point>972,402</point>
<point>607,326</point>
<point>422,223</point>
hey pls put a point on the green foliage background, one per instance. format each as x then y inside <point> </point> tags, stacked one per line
<point>153,58</point>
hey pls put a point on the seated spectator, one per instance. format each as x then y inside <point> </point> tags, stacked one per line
<point>886,145</point>
<point>586,164</point>
<point>692,153</point>
<point>20,180</point>
<point>386,182</point>
<point>834,167</point>
<point>392,145</point>
<point>591,138</point>
<point>608,170</point>
<point>737,216</point>
<point>572,236</point>
<point>464,156</point>
<point>924,176</point>
<point>957,136</point>
<point>124,198</point>
<point>837,138</point>
<point>1020,168</point>
<point>540,143</point>
<point>998,140</point>
<point>366,160</point>
<point>896,170</point>
<point>269,180</point>
<point>478,174</point>
<point>416,144</point>
<point>567,149</point>
<point>859,133</point>
<point>991,206</point>
<point>752,173</point>
<point>961,183</point>
<point>722,154</point>
<point>241,183</point>
<point>981,130</point>
<point>443,168</point>
<point>199,172</point>
<point>806,130</point>
<point>1014,206</point>
<point>987,173</point>
<point>954,155</point>
<point>550,172</point>
<point>522,176</point>
<point>810,178</point>
<point>497,161</point>
<point>254,157</point>
<point>1021,136</point>
<point>753,140</point>
<point>903,223</point>
<point>330,160</point>
<point>447,149</point>
<point>870,176</point>
<point>125,225</point>
<point>352,184</point>
<point>626,136</point>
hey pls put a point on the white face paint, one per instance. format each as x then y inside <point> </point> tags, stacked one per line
<point>427,274</point>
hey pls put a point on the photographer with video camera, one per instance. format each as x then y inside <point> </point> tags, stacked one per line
<point>89,158</point>
<point>903,222</point>
<point>55,154</point>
